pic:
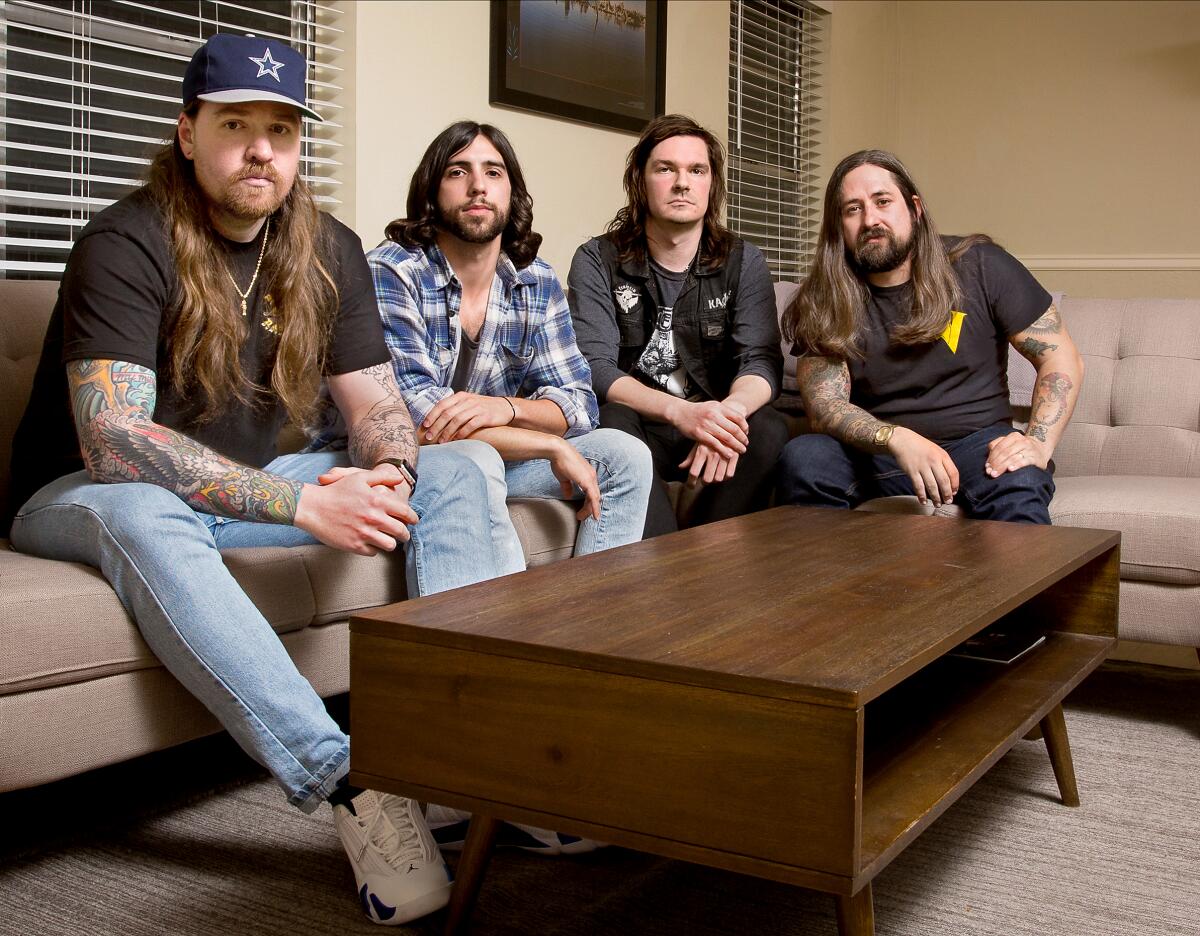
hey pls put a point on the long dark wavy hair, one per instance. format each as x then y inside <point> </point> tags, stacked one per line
<point>827,313</point>
<point>628,228</point>
<point>420,228</point>
<point>209,329</point>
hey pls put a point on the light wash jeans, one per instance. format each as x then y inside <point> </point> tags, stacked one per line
<point>624,472</point>
<point>161,558</point>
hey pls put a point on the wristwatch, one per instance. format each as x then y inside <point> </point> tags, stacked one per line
<point>407,471</point>
<point>883,435</point>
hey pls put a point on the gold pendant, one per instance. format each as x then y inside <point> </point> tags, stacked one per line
<point>243,308</point>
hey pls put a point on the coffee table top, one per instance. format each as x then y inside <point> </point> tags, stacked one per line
<point>795,602</point>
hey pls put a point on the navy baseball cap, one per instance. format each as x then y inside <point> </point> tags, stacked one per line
<point>232,69</point>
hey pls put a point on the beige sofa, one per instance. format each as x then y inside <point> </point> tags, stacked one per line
<point>1130,458</point>
<point>78,686</point>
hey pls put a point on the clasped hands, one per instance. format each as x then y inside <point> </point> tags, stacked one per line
<point>359,510</point>
<point>721,433</point>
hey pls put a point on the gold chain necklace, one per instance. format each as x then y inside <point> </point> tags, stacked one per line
<point>258,266</point>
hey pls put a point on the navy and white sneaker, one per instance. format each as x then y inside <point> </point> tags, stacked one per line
<point>449,827</point>
<point>399,871</point>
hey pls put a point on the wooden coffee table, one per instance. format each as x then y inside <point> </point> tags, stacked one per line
<point>768,695</point>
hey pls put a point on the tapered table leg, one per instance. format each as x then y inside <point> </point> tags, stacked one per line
<point>468,877</point>
<point>1054,727</point>
<point>856,914</point>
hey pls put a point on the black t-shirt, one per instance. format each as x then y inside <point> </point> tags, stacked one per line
<point>117,303</point>
<point>958,384</point>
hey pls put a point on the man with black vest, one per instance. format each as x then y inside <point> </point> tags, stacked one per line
<point>676,317</point>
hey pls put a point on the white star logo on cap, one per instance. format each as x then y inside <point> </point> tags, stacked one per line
<point>267,65</point>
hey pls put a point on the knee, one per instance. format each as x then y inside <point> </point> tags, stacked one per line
<point>484,457</point>
<point>462,469</point>
<point>804,454</point>
<point>768,433</point>
<point>624,455</point>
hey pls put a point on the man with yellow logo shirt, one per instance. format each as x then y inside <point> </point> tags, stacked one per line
<point>901,336</point>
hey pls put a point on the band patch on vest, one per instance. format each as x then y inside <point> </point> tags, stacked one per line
<point>953,330</point>
<point>626,296</point>
<point>720,302</point>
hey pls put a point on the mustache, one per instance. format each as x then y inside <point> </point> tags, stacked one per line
<point>868,233</point>
<point>478,204</point>
<point>258,171</point>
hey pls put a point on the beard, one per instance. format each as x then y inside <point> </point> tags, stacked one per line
<point>258,203</point>
<point>473,230</point>
<point>884,256</point>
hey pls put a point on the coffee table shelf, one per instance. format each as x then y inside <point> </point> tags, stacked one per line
<point>929,739</point>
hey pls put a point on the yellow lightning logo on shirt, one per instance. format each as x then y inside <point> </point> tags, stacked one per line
<point>953,330</point>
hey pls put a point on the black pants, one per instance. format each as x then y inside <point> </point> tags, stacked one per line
<point>747,491</point>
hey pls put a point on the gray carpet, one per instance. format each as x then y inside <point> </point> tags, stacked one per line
<point>198,841</point>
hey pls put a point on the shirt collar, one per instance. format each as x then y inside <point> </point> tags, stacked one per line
<point>509,275</point>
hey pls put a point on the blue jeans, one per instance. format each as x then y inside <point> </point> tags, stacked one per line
<point>624,473</point>
<point>161,558</point>
<point>818,470</point>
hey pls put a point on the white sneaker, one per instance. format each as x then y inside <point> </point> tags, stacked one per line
<point>449,828</point>
<point>399,871</point>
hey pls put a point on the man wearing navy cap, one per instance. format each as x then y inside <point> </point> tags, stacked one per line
<point>195,317</point>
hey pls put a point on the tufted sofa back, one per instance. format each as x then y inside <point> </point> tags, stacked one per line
<point>25,307</point>
<point>1139,410</point>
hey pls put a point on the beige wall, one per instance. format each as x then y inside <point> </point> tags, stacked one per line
<point>1068,131</point>
<point>419,66</point>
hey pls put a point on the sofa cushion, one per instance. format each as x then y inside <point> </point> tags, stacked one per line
<point>1139,408</point>
<point>63,623</point>
<point>1159,520</point>
<point>546,527</point>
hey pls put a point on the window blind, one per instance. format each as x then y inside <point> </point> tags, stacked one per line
<point>776,50</point>
<point>90,89</point>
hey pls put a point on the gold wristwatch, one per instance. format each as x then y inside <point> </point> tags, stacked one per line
<point>883,435</point>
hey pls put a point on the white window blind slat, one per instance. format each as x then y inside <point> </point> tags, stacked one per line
<point>166,10</point>
<point>219,4</point>
<point>89,91</point>
<point>775,119</point>
<point>187,46</point>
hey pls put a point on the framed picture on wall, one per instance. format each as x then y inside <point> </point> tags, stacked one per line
<point>599,62</point>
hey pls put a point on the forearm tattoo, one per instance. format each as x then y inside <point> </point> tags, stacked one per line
<point>825,386</point>
<point>113,403</point>
<point>386,431</point>
<point>1050,398</point>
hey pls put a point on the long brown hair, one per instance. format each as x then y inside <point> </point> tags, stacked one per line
<point>518,240</point>
<point>628,228</point>
<point>827,313</point>
<point>209,329</point>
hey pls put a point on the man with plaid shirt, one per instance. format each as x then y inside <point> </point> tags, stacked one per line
<point>484,350</point>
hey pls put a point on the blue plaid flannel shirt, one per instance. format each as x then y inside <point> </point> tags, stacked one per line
<point>526,345</point>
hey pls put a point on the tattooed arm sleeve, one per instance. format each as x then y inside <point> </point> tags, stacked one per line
<point>113,402</point>
<point>1050,349</point>
<point>825,387</point>
<point>374,411</point>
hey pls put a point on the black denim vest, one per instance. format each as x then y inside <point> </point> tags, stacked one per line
<point>702,321</point>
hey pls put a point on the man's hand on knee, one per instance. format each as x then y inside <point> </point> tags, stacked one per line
<point>357,510</point>
<point>1015,451</point>
<point>929,467</point>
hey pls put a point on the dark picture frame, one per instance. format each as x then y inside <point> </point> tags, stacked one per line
<point>599,62</point>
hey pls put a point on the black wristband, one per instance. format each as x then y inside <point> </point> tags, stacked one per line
<point>408,472</point>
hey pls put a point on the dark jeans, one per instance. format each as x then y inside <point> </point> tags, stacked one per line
<point>818,470</point>
<point>747,491</point>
